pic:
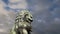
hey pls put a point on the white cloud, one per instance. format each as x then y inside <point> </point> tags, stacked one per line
<point>5,12</point>
<point>57,19</point>
<point>14,0</point>
<point>6,17</point>
<point>1,24</point>
<point>2,10</point>
<point>39,21</point>
<point>21,4</point>
<point>2,30</point>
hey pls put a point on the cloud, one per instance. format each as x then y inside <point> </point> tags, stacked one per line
<point>14,0</point>
<point>2,30</point>
<point>45,12</point>
<point>17,4</point>
<point>2,10</point>
<point>1,24</point>
<point>6,18</point>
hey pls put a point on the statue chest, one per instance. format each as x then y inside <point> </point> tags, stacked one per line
<point>24,24</point>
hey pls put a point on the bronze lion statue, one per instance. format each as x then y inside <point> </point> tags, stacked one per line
<point>22,23</point>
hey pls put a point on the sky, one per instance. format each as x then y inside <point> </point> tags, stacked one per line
<point>46,15</point>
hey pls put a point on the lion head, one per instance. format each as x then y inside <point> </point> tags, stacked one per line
<point>24,15</point>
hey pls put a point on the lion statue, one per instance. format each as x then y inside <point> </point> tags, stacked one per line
<point>22,23</point>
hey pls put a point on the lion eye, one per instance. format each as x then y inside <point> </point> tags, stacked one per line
<point>31,17</point>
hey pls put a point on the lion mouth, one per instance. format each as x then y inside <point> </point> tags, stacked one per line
<point>30,20</point>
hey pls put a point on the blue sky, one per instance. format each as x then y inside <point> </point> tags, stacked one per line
<point>46,14</point>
